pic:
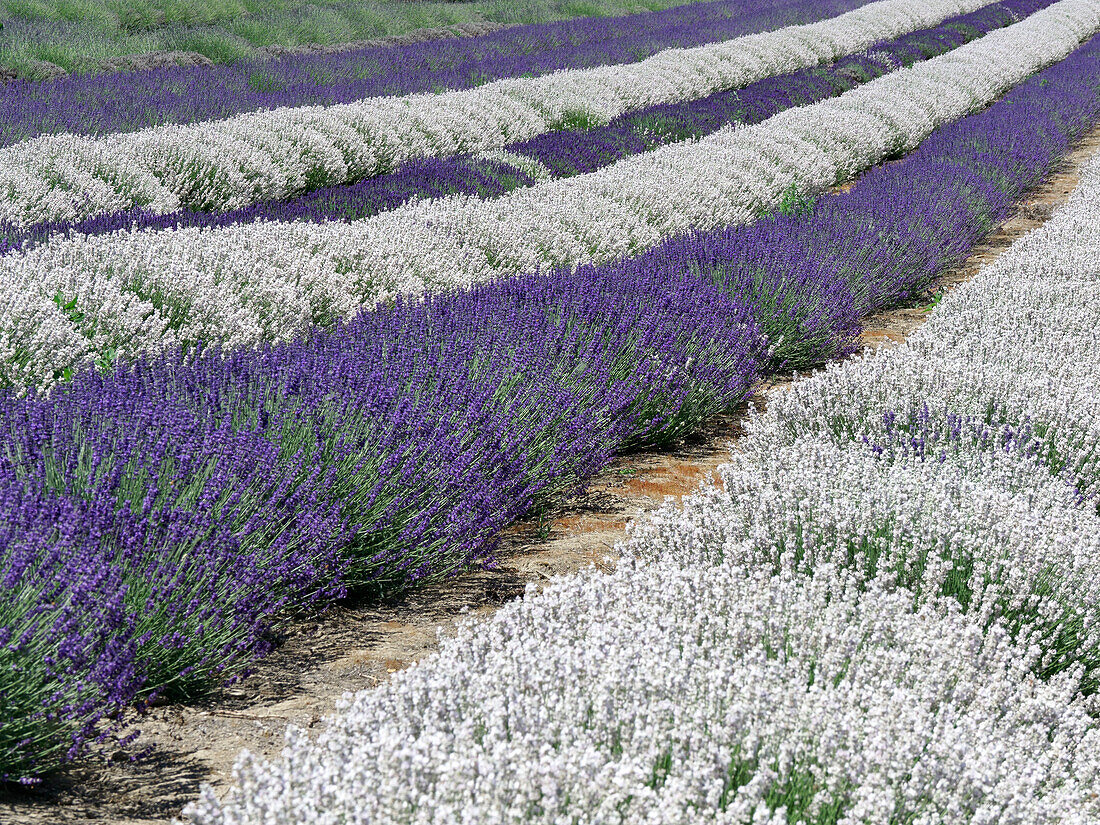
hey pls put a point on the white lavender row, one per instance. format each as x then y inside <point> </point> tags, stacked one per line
<point>966,462</point>
<point>709,679</point>
<point>679,694</point>
<point>283,152</point>
<point>72,300</point>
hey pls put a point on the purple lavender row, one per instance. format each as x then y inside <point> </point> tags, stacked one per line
<point>126,102</point>
<point>570,151</point>
<point>386,452</point>
<point>157,519</point>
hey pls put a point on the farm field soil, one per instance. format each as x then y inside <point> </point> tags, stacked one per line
<point>356,646</point>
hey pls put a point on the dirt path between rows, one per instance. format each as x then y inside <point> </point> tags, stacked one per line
<point>356,646</point>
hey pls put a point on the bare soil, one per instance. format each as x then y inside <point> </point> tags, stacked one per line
<point>355,646</point>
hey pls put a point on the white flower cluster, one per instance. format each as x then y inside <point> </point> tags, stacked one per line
<point>283,152</point>
<point>967,459</point>
<point>744,664</point>
<point>966,462</point>
<point>667,693</point>
<point>140,291</point>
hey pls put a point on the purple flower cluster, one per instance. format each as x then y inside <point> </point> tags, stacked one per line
<point>157,519</point>
<point>211,493</point>
<point>139,563</point>
<point>134,100</point>
<point>815,271</point>
<point>569,151</point>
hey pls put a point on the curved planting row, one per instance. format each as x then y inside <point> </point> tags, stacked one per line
<point>280,153</point>
<point>568,151</point>
<point>76,300</point>
<point>679,694</point>
<point>890,613</point>
<point>103,104</point>
<point>160,517</point>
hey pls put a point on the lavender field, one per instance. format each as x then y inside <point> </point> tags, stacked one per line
<point>268,348</point>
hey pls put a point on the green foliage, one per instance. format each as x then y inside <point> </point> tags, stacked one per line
<point>795,790</point>
<point>795,202</point>
<point>262,81</point>
<point>107,357</point>
<point>577,119</point>
<point>77,34</point>
<point>68,308</point>
<point>935,302</point>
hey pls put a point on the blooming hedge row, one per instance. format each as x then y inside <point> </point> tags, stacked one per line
<point>71,300</point>
<point>162,516</point>
<point>566,152</point>
<point>127,101</point>
<point>224,164</point>
<point>889,613</point>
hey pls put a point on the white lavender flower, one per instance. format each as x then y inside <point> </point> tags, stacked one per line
<point>664,693</point>
<point>887,615</point>
<point>282,152</point>
<point>142,291</point>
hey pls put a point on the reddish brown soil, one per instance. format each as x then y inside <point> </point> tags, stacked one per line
<point>356,646</point>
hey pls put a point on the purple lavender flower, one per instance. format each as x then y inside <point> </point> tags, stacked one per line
<point>134,100</point>
<point>158,519</point>
<point>569,151</point>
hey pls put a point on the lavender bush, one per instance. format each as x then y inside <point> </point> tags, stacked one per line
<point>279,153</point>
<point>886,239</point>
<point>672,694</point>
<point>212,494</point>
<point>487,400</point>
<point>117,582</point>
<point>77,300</point>
<point>888,613</point>
<point>568,151</point>
<point>135,100</point>
<point>964,463</point>
<point>813,271</point>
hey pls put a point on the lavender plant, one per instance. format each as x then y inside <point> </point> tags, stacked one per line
<point>966,463</point>
<point>149,291</point>
<point>668,693</point>
<point>487,400</point>
<point>216,494</point>
<point>137,100</point>
<point>230,163</point>
<point>569,151</point>
<point>888,613</point>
